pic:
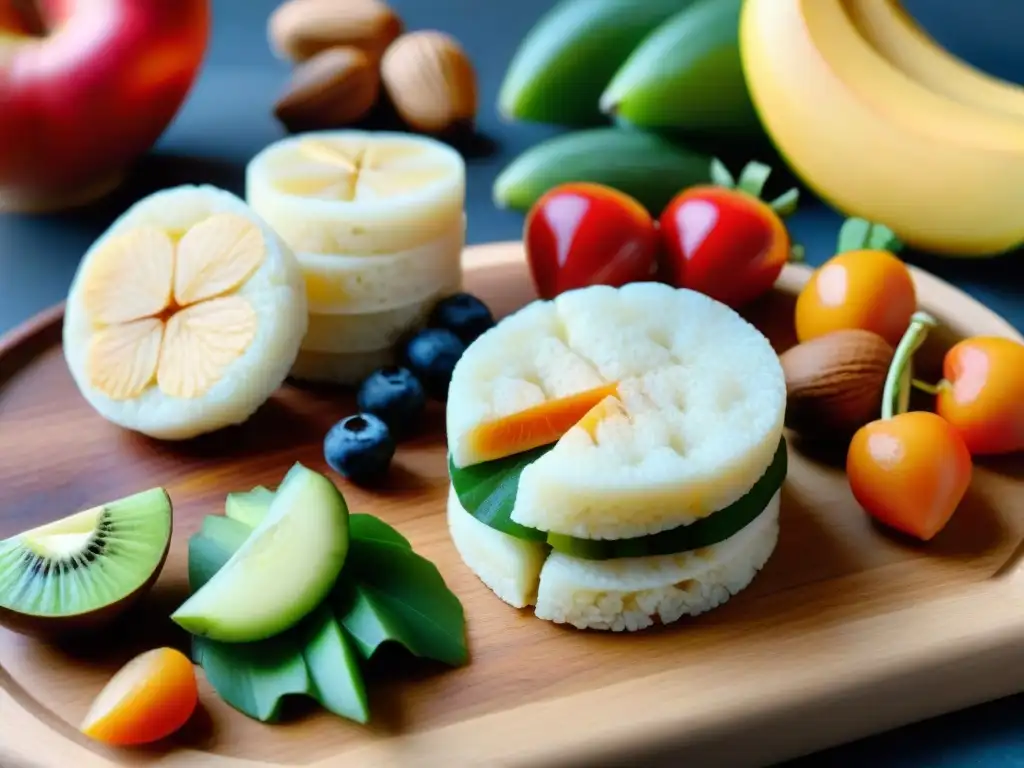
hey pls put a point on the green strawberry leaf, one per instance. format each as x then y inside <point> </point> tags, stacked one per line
<point>390,594</point>
<point>857,234</point>
<point>488,491</point>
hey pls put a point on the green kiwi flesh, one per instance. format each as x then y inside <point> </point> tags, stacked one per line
<point>85,570</point>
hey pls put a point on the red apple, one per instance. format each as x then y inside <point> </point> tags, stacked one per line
<point>86,87</point>
<point>582,234</point>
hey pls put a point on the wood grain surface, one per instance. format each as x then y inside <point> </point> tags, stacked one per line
<point>847,631</point>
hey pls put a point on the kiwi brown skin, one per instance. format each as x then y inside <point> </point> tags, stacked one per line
<point>53,627</point>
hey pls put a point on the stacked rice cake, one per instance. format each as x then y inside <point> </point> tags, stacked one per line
<point>377,222</point>
<point>617,456</point>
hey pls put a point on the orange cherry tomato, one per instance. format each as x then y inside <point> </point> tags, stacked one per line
<point>982,395</point>
<point>909,472</point>
<point>867,289</point>
<point>582,234</point>
<point>150,698</point>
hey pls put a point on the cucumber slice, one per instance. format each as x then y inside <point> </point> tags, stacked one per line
<point>709,530</point>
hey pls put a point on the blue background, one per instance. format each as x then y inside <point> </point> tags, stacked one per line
<point>227,119</point>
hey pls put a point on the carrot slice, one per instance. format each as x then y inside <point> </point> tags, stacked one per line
<point>540,425</point>
<point>150,698</point>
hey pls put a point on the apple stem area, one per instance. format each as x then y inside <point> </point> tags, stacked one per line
<point>23,17</point>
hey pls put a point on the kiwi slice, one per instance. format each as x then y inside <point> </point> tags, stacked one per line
<point>85,570</point>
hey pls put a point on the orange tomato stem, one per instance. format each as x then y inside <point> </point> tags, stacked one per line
<point>751,181</point>
<point>797,254</point>
<point>896,395</point>
<point>862,235</point>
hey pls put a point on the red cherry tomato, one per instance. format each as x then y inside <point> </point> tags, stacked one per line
<point>724,241</point>
<point>582,234</point>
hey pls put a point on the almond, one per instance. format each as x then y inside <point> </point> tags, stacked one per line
<point>300,29</point>
<point>333,89</point>
<point>430,80</point>
<point>834,382</point>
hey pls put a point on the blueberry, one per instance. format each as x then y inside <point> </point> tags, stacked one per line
<point>394,396</point>
<point>431,354</point>
<point>360,448</point>
<point>464,315</point>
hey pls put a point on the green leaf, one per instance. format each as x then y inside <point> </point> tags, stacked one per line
<point>389,593</point>
<point>859,234</point>
<point>753,178</point>
<point>333,666</point>
<point>318,658</point>
<point>488,491</point>
<point>370,528</point>
<point>205,558</point>
<point>255,678</point>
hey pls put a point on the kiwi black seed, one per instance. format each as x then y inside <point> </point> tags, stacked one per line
<point>82,571</point>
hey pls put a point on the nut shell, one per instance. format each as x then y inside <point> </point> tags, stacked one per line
<point>300,29</point>
<point>834,382</point>
<point>333,89</point>
<point>430,80</point>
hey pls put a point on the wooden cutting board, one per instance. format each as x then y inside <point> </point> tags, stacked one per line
<point>846,632</point>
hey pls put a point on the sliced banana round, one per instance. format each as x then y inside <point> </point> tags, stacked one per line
<point>185,315</point>
<point>358,192</point>
<point>343,369</point>
<point>625,594</point>
<point>353,284</point>
<point>703,396</point>
<point>370,331</point>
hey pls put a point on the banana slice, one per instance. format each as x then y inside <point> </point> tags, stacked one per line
<point>370,331</point>
<point>185,315</point>
<point>345,192</point>
<point>345,369</point>
<point>354,284</point>
<point>703,396</point>
<point>624,594</point>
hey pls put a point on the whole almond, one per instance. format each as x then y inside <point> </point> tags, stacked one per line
<point>834,382</point>
<point>430,80</point>
<point>300,29</point>
<point>334,88</point>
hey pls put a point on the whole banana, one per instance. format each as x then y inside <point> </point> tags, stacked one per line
<point>944,175</point>
<point>899,39</point>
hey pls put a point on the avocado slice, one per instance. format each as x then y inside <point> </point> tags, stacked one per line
<point>282,570</point>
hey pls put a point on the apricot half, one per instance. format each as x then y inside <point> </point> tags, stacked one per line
<point>150,698</point>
